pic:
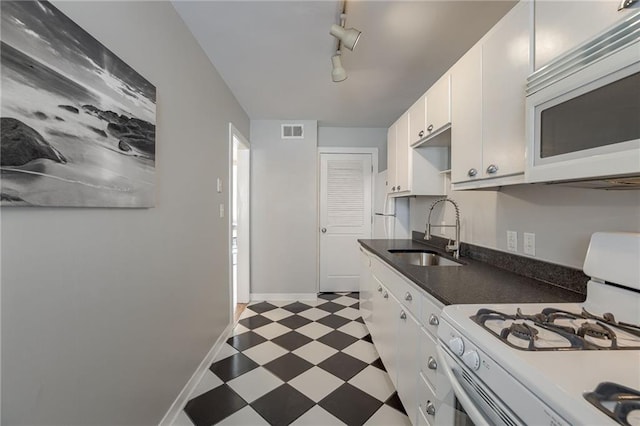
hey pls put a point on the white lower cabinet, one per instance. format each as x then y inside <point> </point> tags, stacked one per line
<point>366,287</point>
<point>427,403</point>
<point>405,338</point>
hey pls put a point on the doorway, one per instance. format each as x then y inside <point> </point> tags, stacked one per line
<point>346,197</point>
<point>239,220</point>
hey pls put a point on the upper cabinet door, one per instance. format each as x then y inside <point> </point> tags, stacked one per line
<point>562,25</point>
<point>417,119</point>
<point>466,117</point>
<point>439,105</point>
<point>505,67</point>
<point>391,158</point>
<point>402,154</point>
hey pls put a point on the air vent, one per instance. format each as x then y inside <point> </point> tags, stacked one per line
<point>292,131</point>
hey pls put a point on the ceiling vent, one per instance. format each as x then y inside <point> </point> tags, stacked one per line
<point>292,131</point>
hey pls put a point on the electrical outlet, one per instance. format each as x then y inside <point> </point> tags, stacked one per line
<point>530,243</point>
<point>219,185</point>
<point>512,241</point>
<point>221,211</point>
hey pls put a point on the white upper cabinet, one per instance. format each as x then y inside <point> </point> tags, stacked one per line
<point>505,67</point>
<point>402,154</point>
<point>418,120</point>
<point>431,114</point>
<point>439,106</point>
<point>562,25</point>
<point>391,158</point>
<point>466,116</point>
<point>488,105</point>
<point>413,171</point>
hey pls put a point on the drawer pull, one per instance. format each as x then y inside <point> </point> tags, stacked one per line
<point>408,297</point>
<point>432,363</point>
<point>430,408</point>
<point>403,315</point>
<point>433,320</point>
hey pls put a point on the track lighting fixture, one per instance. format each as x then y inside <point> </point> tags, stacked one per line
<point>346,37</point>
<point>338,73</point>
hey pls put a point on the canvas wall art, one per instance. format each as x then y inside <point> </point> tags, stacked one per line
<point>77,123</point>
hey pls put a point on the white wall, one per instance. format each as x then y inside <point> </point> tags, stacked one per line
<point>106,313</point>
<point>562,218</point>
<point>283,209</point>
<point>356,137</point>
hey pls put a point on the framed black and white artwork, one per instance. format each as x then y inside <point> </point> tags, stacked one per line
<point>78,125</point>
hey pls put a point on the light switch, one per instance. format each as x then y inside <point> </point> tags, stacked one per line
<point>512,241</point>
<point>221,210</point>
<point>530,243</point>
<point>219,184</point>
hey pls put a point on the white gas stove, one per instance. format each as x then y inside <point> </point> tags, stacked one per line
<point>549,364</point>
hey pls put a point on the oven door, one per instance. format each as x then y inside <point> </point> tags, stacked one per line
<point>464,399</point>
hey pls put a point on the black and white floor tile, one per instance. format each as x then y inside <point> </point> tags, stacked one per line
<point>300,363</point>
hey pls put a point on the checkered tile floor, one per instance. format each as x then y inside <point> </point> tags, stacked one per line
<point>301,363</point>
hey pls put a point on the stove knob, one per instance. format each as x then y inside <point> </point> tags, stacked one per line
<point>472,360</point>
<point>457,346</point>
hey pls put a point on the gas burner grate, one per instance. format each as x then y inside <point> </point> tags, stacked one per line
<point>596,333</point>
<point>625,400</point>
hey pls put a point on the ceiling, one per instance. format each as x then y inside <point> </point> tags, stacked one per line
<point>276,55</point>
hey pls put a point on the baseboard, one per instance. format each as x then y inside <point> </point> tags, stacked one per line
<point>182,400</point>
<point>282,296</point>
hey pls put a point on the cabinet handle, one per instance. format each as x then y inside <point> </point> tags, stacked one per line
<point>421,134</point>
<point>393,189</point>
<point>433,320</point>
<point>432,363</point>
<point>408,297</point>
<point>398,187</point>
<point>472,172</point>
<point>379,289</point>
<point>430,408</point>
<point>492,169</point>
<point>403,315</point>
<point>385,295</point>
<point>324,230</point>
<point>430,128</point>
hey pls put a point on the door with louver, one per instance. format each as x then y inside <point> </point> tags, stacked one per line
<point>345,216</point>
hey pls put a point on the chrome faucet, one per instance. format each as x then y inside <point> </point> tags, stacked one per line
<point>451,248</point>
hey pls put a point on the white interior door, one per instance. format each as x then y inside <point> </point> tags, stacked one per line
<point>345,216</point>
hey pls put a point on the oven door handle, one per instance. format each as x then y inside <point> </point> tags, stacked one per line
<point>469,407</point>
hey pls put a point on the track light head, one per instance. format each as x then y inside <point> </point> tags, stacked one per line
<point>348,36</point>
<point>338,73</point>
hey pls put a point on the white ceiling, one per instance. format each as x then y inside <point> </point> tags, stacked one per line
<point>276,55</point>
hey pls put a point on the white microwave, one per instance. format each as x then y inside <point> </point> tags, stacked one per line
<point>583,111</point>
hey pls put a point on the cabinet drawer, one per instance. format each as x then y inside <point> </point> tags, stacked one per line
<point>430,314</point>
<point>407,294</point>
<point>385,275</point>
<point>422,419</point>
<point>410,297</point>
<point>427,402</point>
<point>427,358</point>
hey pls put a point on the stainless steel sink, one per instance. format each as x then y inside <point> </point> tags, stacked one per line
<point>422,258</point>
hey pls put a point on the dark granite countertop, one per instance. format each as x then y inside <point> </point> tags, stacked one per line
<point>474,282</point>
